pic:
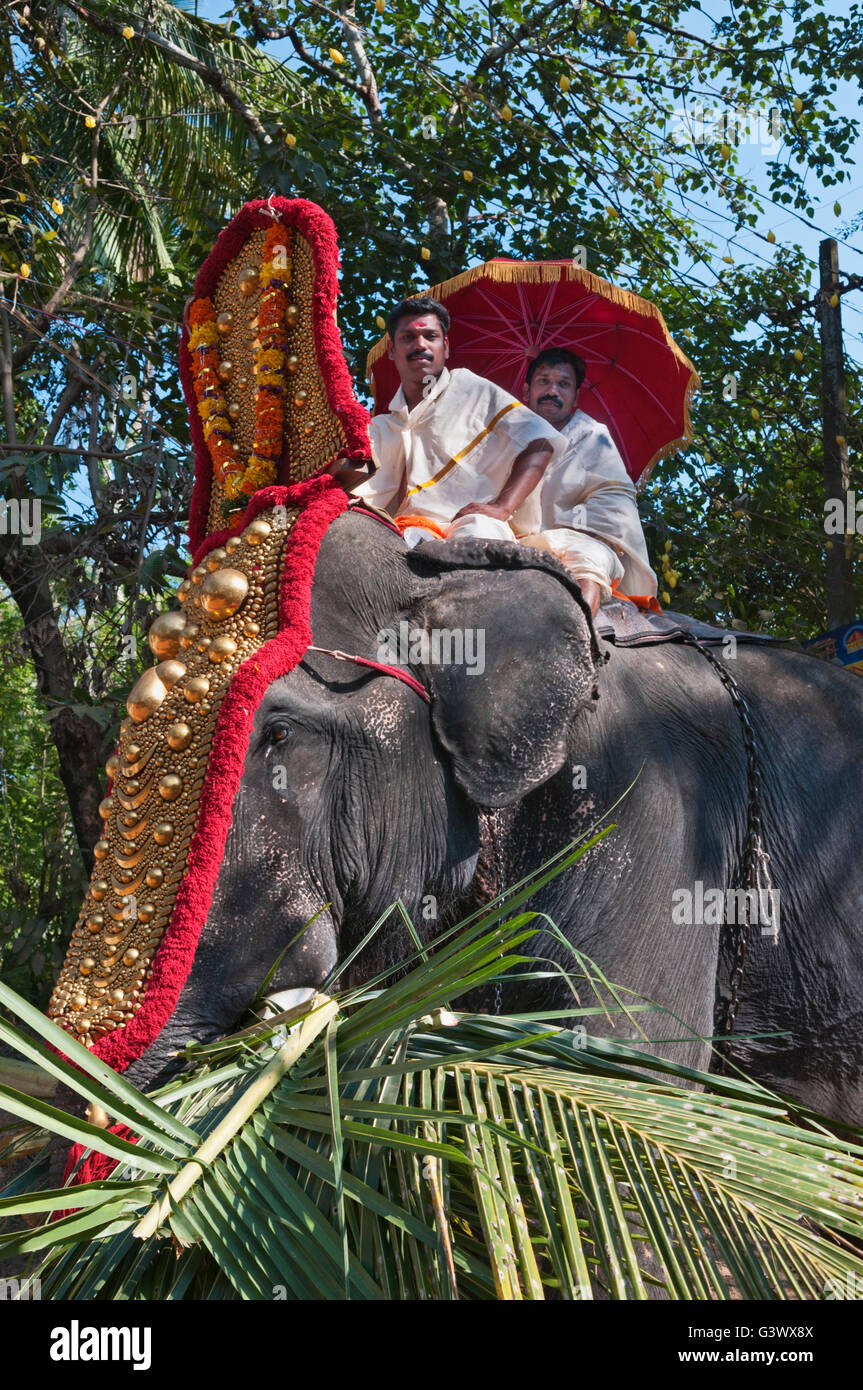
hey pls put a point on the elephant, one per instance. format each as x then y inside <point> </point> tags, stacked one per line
<point>357,791</point>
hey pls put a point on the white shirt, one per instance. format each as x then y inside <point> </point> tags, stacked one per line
<point>589,510</point>
<point>456,446</point>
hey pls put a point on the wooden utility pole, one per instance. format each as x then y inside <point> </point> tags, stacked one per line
<point>839,582</point>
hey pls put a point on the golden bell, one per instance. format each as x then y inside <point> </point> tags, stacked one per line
<point>292,363</point>
<point>97,1116</point>
<point>163,835</point>
<point>155,875</point>
<point>234,411</point>
<point>232,544</point>
<point>183,590</point>
<point>164,635</point>
<point>224,592</point>
<point>224,322</point>
<point>292,313</point>
<point>301,399</point>
<point>198,574</point>
<point>133,752</point>
<point>225,370</point>
<point>106,806</point>
<point>170,672</point>
<point>189,635</point>
<point>146,695</point>
<point>98,889</point>
<point>179,737</point>
<point>100,849</point>
<point>112,764</point>
<point>195,689</point>
<point>215,557</point>
<point>248,280</point>
<point>146,912</point>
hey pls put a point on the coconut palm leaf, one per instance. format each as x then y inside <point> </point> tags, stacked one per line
<point>388,1148</point>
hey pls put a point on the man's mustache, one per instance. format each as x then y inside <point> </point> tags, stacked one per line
<point>420,355</point>
<point>553,400</point>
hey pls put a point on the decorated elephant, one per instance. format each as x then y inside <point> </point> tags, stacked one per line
<point>286,762</point>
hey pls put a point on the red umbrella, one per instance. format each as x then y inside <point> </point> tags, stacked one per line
<point>638,381</point>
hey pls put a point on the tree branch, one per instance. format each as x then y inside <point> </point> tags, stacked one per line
<point>524,31</point>
<point>369,88</point>
<point>7,384</point>
<point>71,392</point>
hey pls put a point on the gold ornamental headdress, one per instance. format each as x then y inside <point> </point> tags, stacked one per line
<point>271,405</point>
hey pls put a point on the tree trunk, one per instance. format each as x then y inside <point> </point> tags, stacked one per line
<point>80,742</point>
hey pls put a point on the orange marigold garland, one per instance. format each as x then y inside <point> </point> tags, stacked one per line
<point>262,467</point>
<point>275,281</point>
<point>212,405</point>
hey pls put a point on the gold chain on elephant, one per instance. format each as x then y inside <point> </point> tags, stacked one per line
<point>756,868</point>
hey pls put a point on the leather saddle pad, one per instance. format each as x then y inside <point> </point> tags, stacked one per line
<point>628,626</point>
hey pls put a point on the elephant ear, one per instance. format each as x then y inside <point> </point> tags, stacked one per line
<point>503,713</point>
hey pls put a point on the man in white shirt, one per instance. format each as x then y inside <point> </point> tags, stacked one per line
<point>454,449</point>
<point>589,513</point>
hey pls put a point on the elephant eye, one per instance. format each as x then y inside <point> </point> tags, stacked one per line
<point>278,732</point>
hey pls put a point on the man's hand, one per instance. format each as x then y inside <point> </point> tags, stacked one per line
<point>591,595</point>
<point>349,477</point>
<point>484,509</point>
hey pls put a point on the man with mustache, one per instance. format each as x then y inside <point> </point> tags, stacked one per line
<point>589,513</point>
<point>454,450</point>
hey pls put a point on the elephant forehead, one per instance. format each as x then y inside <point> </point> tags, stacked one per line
<point>326,687</point>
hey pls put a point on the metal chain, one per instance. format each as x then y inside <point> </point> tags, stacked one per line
<point>756,866</point>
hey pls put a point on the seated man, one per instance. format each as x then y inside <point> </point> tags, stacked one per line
<point>454,450</point>
<point>589,513</point>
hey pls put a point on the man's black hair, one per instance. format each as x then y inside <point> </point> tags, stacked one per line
<point>558,357</point>
<point>412,308</point>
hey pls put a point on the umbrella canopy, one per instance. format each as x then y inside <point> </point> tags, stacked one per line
<point>638,381</point>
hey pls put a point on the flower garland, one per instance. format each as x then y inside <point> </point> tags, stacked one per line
<point>212,406</point>
<point>275,280</point>
<point>262,467</point>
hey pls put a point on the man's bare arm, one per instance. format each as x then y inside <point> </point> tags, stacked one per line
<point>526,473</point>
<point>346,472</point>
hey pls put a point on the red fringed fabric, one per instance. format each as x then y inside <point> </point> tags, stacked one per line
<point>317,227</point>
<point>98,1166</point>
<point>320,500</point>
